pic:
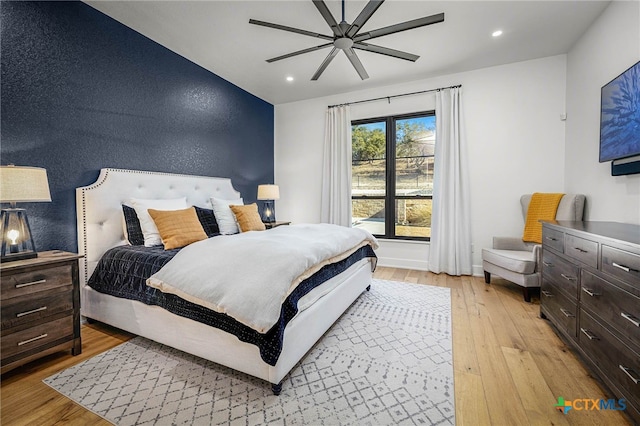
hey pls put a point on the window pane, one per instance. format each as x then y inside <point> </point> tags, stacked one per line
<point>413,218</point>
<point>368,160</point>
<point>415,144</point>
<point>369,214</point>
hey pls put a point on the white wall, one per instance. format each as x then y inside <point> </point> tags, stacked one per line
<point>610,46</point>
<point>514,135</point>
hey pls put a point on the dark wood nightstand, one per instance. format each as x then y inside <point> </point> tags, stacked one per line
<point>40,303</point>
<point>270,225</point>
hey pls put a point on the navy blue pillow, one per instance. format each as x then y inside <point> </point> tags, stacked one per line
<point>134,232</point>
<point>136,237</point>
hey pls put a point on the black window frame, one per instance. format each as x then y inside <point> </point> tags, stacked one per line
<point>390,196</point>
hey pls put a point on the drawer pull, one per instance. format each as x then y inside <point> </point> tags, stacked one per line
<point>581,250</point>
<point>630,318</point>
<point>42,336</point>
<point>590,335</point>
<point>31,283</point>
<point>568,278</point>
<point>624,268</point>
<point>628,371</point>
<point>590,292</point>
<point>552,239</point>
<point>21,314</point>
<point>546,293</point>
<point>548,264</point>
<point>567,313</point>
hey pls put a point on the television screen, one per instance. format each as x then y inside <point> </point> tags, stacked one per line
<point>620,116</point>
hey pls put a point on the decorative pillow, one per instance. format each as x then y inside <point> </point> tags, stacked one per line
<point>132,230</point>
<point>248,217</point>
<point>208,221</point>
<point>224,216</point>
<point>178,228</point>
<point>149,229</point>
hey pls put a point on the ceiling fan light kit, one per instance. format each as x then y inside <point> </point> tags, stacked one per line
<point>346,38</point>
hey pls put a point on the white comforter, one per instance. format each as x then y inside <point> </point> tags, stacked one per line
<point>248,276</point>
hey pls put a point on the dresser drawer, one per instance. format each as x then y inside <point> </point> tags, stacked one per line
<point>25,283</point>
<point>23,310</point>
<point>621,264</point>
<point>583,250</point>
<point>562,273</point>
<point>37,336</point>
<point>562,309</point>
<point>553,239</point>
<point>618,363</point>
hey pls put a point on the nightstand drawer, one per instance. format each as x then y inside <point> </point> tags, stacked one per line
<point>36,337</point>
<point>563,274</point>
<point>28,309</point>
<point>621,264</point>
<point>25,283</point>
<point>586,251</point>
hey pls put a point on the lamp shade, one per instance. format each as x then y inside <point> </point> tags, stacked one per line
<point>20,184</point>
<point>268,192</point>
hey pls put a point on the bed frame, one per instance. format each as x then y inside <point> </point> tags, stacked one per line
<point>100,228</point>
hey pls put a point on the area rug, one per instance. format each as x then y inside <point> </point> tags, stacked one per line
<point>386,361</point>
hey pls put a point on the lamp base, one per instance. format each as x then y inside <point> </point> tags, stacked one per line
<point>18,256</point>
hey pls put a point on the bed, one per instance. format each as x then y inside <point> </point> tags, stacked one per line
<point>100,229</point>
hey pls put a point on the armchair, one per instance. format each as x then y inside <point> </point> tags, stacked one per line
<point>518,261</point>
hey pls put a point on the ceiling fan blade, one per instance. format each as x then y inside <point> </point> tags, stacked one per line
<point>404,26</point>
<point>386,51</point>
<point>290,29</point>
<point>325,63</point>
<point>326,14</point>
<point>363,17</point>
<point>299,52</point>
<point>355,61</point>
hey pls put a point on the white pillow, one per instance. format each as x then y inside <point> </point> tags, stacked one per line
<point>148,226</point>
<point>224,216</point>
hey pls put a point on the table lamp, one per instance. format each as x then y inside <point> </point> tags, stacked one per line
<point>20,184</point>
<point>268,193</point>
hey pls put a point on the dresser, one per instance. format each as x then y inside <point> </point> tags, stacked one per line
<point>590,292</point>
<point>40,307</point>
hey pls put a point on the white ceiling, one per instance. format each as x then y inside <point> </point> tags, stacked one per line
<point>217,36</point>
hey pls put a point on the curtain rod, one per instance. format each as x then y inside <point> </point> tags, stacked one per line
<point>388,98</point>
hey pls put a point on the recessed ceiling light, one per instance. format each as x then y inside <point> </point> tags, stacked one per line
<point>289,78</point>
<point>497,33</point>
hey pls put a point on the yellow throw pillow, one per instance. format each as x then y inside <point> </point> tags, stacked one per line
<point>248,217</point>
<point>178,228</point>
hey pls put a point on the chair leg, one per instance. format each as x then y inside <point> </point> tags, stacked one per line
<point>527,294</point>
<point>487,277</point>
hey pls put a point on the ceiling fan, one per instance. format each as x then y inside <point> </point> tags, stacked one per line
<point>346,38</point>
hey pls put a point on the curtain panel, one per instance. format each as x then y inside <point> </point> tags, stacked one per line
<point>336,169</point>
<point>450,248</point>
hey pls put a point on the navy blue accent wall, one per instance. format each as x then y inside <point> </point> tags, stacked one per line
<point>80,92</point>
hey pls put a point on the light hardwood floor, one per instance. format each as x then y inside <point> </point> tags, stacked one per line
<point>509,365</point>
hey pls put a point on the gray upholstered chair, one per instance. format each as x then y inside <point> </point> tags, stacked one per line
<point>519,262</point>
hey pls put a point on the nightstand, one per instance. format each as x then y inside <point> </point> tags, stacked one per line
<point>275,224</point>
<point>40,307</point>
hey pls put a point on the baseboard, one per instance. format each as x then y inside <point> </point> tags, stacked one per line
<point>419,265</point>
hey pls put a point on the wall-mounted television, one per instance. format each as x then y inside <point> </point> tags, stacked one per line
<point>620,116</point>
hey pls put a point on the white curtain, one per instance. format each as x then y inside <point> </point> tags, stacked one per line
<point>450,248</point>
<point>336,168</point>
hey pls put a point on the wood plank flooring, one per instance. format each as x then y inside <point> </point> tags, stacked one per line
<point>509,365</point>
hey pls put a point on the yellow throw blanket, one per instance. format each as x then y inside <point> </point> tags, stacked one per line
<point>543,206</point>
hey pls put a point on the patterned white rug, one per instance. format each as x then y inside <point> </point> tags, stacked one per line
<point>386,361</point>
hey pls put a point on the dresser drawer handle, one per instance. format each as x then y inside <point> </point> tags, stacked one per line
<point>567,313</point>
<point>590,335</point>
<point>628,371</point>
<point>21,314</point>
<point>591,292</point>
<point>568,278</point>
<point>630,318</point>
<point>552,239</point>
<point>581,250</point>
<point>624,268</point>
<point>548,264</point>
<point>546,293</point>
<point>31,283</point>
<point>42,336</point>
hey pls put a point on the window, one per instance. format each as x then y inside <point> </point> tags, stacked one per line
<point>392,175</point>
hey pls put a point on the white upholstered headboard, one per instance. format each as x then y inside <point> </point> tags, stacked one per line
<point>99,205</point>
